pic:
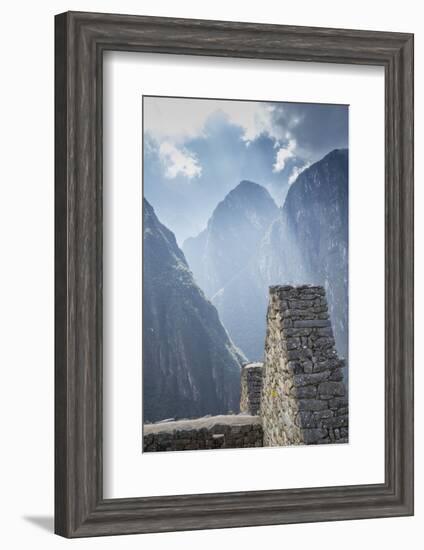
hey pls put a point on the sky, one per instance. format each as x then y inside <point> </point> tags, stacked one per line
<point>198,150</point>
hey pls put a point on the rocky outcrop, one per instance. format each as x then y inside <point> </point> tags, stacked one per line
<point>190,366</point>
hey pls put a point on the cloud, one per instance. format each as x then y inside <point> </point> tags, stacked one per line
<point>283,155</point>
<point>317,128</point>
<point>196,151</point>
<point>181,119</point>
<point>178,161</point>
<point>297,170</point>
<point>255,119</point>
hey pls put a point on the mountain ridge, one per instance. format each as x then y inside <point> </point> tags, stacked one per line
<point>307,243</point>
<point>190,366</point>
<point>246,210</point>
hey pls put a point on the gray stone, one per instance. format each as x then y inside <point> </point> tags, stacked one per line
<point>311,405</point>
<point>305,419</point>
<point>323,342</point>
<point>307,367</point>
<point>336,375</point>
<point>305,392</point>
<point>327,390</point>
<point>314,378</point>
<point>290,332</point>
<point>338,402</point>
<point>294,355</point>
<point>327,331</point>
<point>320,415</point>
<point>312,323</point>
<point>293,343</point>
<point>313,435</point>
<point>320,309</point>
<point>335,422</point>
<point>300,304</point>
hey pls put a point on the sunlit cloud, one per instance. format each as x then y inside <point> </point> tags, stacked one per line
<point>178,161</point>
<point>180,119</point>
<point>283,155</point>
<point>197,150</point>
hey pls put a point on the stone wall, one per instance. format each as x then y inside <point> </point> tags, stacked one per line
<point>213,432</point>
<point>296,397</point>
<point>303,399</point>
<point>251,387</point>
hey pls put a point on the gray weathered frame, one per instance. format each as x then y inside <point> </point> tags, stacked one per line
<point>80,40</point>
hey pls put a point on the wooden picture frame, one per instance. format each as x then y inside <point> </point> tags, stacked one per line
<point>81,39</point>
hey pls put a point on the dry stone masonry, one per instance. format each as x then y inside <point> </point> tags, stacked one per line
<point>251,387</point>
<point>213,432</point>
<point>304,399</point>
<point>296,397</point>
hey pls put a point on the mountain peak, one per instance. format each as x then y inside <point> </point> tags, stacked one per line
<point>231,237</point>
<point>246,197</point>
<point>337,153</point>
<point>330,172</point>
<point>334,157</point>
<point>247,187</point>
<point>246,184</point>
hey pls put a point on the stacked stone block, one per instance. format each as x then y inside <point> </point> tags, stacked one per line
<point>304,399</point>
<point>216,432</point>
<point>251,387</point>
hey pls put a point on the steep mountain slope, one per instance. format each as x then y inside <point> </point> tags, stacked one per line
<point>231,237</point>
<point>190,366</point>
<point>307,243</point>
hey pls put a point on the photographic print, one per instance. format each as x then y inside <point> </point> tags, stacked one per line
<point>245,273</point>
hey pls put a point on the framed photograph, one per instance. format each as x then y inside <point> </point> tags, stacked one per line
<point>234,274</point>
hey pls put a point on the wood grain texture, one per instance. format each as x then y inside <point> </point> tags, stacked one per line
<point>81,39</point>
